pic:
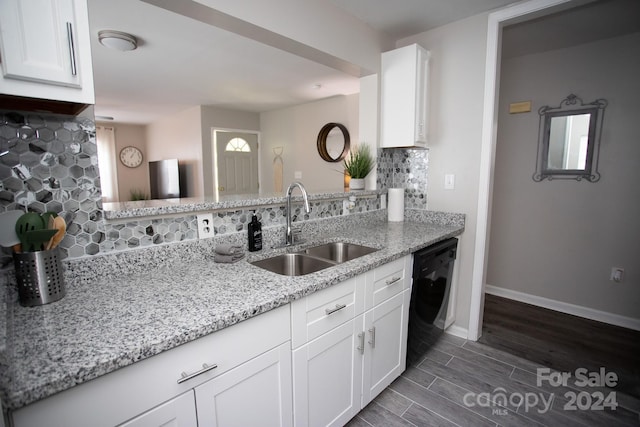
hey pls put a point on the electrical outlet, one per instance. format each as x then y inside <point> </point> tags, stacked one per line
<point>617,274</point>
<point>205,225</point>
<point>345,207</point>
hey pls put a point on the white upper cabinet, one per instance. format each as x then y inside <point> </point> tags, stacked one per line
<point>404,97</point>
<point>45,50</point>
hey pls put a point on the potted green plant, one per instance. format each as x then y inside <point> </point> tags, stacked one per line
<point>138,194</point>
<point>358,165</point>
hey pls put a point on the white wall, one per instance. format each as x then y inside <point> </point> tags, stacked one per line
<point>369,112</point>
<point>320,25</point>
<point>457,83</point>
<point>178,136</point>
<point>296,130</point>
<point>559,239</point>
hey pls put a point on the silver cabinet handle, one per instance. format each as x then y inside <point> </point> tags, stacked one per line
<point>361,339</point>
<point>393,280</point>
<point>372,334</point>
<point>333,310</point>
<point>72,50</point>
<point>205,368</point>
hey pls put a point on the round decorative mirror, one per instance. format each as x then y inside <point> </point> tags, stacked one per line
<point>333,142</point>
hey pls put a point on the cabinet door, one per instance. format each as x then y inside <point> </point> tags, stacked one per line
<point>255,393</point>
<point>178,412</point>
<point>38,41</point>
<point>403,97</point>
<point>327,377</point>
<point>386,344</point>
<point>45,53</point>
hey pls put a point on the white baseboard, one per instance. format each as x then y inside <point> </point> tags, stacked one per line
<point>564,307</point>
<point>457,331</point>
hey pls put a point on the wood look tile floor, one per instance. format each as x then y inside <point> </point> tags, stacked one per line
<point>432,391</point>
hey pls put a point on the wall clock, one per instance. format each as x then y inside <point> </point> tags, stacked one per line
<point>131,157</point>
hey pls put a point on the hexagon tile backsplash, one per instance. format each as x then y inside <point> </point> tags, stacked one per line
<point>50,163</point>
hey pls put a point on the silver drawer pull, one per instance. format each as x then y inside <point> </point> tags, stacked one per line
<point>393,280</point>
<point>372,334</point>
<point>333,310</point>
<point>205,368</point>
<point>361,339</point>
<point>72,49</point>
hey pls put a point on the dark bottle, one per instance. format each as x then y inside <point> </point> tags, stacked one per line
<point>255,234</point>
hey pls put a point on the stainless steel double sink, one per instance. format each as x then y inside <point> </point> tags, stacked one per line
<point>313,259</point>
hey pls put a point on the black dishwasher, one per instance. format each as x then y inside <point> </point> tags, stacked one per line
<point>432,270</point>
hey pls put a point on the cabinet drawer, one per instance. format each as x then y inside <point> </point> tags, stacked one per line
<point>388,280</point>
<point>322,311</point>
<point>118,396</point>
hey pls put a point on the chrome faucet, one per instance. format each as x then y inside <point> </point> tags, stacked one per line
<point>288,231</point>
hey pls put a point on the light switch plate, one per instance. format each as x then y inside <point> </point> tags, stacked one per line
<point>449,181</point>
<point>297,174</point>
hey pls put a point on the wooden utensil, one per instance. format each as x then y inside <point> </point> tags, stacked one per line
<point>48,218</point>
<point>60,226</point>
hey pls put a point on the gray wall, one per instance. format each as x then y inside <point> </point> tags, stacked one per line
<point>559,239</point>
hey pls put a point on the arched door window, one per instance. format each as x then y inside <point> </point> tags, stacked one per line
<point>238,144</point>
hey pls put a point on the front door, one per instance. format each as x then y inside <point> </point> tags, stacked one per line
<point>237,162</point>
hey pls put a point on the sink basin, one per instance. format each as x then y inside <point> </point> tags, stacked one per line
<point>313,259</point>
<point>293,264</point>
<point>339,251</point>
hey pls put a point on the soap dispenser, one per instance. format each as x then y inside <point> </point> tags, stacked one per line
<point>254,229</point>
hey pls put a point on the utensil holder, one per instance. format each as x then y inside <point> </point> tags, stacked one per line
<point>39,276</point>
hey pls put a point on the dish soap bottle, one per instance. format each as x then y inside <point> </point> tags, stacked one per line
<point>255,234</point>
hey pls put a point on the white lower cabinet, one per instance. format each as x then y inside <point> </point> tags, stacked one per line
<point>341,371</point>
<point>257,393</point>
<point>180,411</point>
<point>386,344</point>
<point>327,373</point>
<point>315,362</point>
<point>255,352</point>
<point>262,384</point>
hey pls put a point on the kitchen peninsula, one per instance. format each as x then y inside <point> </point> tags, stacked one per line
<point>114,318</point>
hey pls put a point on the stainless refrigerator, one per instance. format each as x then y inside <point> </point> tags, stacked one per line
<point>164,179</point>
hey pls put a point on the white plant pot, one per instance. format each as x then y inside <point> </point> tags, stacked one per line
<point>356,184</point>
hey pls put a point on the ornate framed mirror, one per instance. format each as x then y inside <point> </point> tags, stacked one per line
<point>333,142</point>
<point>569,140</point>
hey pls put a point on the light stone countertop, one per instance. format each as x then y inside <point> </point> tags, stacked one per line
<point>113,321</point>
<point>146,208</point>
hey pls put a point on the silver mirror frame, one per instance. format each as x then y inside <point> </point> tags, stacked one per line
<point>569,106</point>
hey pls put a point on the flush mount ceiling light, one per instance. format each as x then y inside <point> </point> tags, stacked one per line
<point>117,40</point>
